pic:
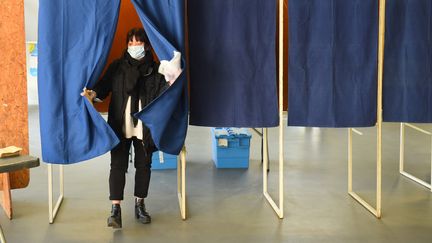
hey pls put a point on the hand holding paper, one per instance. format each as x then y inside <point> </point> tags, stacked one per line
<point>171,69</point>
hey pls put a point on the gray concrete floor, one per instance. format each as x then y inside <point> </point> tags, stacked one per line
<point>228,206</point>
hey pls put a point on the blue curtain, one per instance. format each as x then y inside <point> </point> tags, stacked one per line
<point>167,116</point>
<point>74,41</point>
<point>332,63</point>
<point>232,63</point>
<point>407,88</point>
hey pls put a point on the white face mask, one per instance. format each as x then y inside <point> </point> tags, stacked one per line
<point>136,52</point>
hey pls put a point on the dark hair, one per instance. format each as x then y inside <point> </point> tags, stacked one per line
<point>140,35</point>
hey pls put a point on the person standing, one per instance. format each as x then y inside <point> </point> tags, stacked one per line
<point>134,80</point>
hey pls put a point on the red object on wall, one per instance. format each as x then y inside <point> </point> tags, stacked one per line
<point>128,19</point>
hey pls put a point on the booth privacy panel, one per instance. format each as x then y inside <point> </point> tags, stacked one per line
<point>332,63</point>
<point>74,41</point>
<point>407,85</point>
<point>232,63</point>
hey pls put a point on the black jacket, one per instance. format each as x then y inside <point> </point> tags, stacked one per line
<point>148,85</point>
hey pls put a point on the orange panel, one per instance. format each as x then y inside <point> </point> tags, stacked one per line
<point>13,84</point>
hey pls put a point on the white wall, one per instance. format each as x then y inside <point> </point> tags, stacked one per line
<point>31,28</point>
<point>31,19</point>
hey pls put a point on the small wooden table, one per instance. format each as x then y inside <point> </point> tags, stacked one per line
<point>8,165</point>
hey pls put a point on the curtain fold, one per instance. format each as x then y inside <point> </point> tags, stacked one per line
<point>167,116</point>
<point>332,63</point>
<point>74,41</point>
<point>233,63</point>
<point>407,85</point>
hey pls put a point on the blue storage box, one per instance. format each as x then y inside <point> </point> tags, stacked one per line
<point>231,147</point>
<point>163,161</point>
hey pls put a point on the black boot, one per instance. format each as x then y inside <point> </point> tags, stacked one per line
<point>115,220</point>
<point>140,212</point>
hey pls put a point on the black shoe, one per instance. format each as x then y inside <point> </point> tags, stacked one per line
<point>115,220</point>
<point>140,212</point>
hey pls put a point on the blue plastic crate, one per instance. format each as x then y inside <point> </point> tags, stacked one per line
<point>163,161</point>
<point>231,147</point>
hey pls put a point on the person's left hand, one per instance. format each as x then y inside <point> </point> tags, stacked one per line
<point>171,69</point>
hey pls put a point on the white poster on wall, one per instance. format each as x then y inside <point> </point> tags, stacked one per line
<point>32,67</point>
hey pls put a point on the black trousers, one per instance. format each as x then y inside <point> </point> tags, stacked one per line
<point>119,166</point>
